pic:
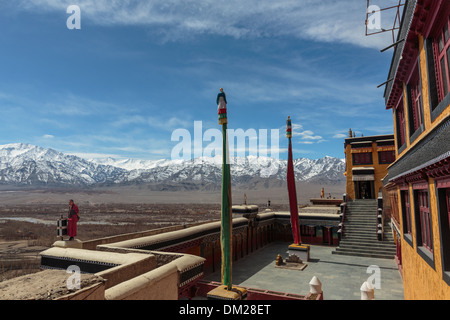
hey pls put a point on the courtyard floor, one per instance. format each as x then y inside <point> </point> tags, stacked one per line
<point>341,276</point>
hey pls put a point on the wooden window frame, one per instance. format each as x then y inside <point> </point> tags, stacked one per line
<point>447,201</point>
<point>386,157</point>
<point>401,124</point>
<point>362,158</point>
<point>442,55</point>
<point>443,204</point>
<point>440,16</point>
<point>406,216</point>
<point>425,219</point>
<point>407,212</point>
<point>415,102</point>
<point>424,227</point>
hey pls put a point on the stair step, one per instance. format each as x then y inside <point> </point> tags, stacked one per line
<point>362,233</point>
<point>372,228</point>
<point>361,224</point>
<point>355,226</point>
<point>368,255</point>
<point>367,248</point>
<point>368,243</point>
<point>360,237</point>
<point>365,251</point>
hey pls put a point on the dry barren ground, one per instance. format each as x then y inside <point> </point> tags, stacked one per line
<point>28,217</point>
<point>43,285</point>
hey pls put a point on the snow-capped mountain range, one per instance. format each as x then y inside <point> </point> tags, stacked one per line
<point>25,164</point>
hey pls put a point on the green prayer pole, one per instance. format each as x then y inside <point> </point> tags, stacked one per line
<point>226,217</point>
<point>226,228</point>
<point>226,291</point>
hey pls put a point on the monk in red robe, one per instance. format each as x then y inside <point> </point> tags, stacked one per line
<point>73,219</point>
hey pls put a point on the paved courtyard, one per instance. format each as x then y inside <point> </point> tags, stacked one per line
<point>341,276</point>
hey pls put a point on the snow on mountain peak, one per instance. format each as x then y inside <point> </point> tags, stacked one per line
<point>22,163</point>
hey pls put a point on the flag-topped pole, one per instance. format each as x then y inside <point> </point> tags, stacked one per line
<point>291,187</point>
<point>226,291</point>
<point>226,218</point>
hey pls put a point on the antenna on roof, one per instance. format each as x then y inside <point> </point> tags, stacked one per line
<point>373,20</point>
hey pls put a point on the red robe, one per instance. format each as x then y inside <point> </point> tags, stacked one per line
<point>73,219</point>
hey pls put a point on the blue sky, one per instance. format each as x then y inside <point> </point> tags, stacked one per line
<point>138,70</point>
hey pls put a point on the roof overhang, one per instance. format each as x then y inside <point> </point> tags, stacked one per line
<point>418,18</point>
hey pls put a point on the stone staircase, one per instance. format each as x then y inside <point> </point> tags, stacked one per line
<point>360,232</point>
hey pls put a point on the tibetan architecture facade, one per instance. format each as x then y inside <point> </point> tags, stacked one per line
<point>418,183</point>
<point>367,160</point>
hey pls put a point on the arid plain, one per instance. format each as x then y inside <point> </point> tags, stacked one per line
<point>28,217</point>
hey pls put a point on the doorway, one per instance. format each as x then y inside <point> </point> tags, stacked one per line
<point>364,190</point>
<point>327,235</point>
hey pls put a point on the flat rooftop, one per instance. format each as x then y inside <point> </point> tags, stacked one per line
<point>341,276</point>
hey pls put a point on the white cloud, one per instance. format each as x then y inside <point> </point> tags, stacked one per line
<point>339,136</point>
<point>129,120</point>
<point>328,21</point>
<point>303,136</point>
<point>307,135</point>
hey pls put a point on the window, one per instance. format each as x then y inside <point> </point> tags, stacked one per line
<point>415,109</point>
<point>362,158</point>
<point>442,51</point>
<point>394,205</point>
<point>400,119</point>
<point>308,231</point>
<point>447,201</point>
<point>406,208</point>
<point>425,237</point>
<point>443,199</point>
<point>386,157</point>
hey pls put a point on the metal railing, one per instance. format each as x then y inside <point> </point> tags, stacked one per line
<point>380,218</point>
<point>342,215</point>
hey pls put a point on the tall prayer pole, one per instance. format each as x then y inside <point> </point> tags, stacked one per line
<point>226,218</point>
<point>297,248</point>
<point>291,187</point>
<point>226,291</point>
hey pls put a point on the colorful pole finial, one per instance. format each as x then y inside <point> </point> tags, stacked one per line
<point>222,107</point>
<point>291,188</point>
<point>289,128</point>
<point>226,218</point>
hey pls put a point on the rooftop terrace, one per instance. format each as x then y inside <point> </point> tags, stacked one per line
<point>341,276</point>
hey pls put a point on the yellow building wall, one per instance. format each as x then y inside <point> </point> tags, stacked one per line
<point>429,125</point>
<point>350,186</point>
<point>380,171</point>
<point>420,280</point>
<point>425,89</point>
<point>395,134</point>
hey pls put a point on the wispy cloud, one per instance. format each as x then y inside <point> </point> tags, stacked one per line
<point>302,136</point>
<point>328,21</point>
<point>339,136</point>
